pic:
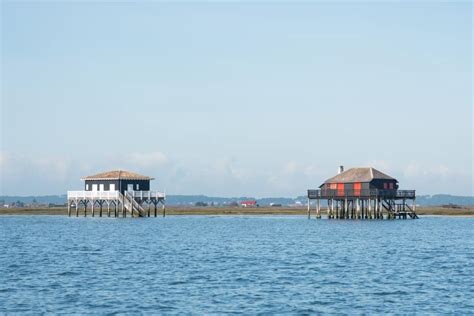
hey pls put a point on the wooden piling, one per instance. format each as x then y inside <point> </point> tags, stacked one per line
<point>318,206</point>
<point>309,210</point>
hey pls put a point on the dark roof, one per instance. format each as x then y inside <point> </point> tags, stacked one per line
<point>359,175</point>
<point>117,175</point>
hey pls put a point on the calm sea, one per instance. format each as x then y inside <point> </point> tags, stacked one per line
<point>236,264</point>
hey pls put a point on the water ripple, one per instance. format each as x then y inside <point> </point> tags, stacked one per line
<point>235,265</point>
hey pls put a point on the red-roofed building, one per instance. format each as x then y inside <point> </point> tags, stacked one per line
<point>248,203</point>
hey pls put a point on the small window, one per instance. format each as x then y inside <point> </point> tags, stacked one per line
<point>138,187</point>
<point>390,185</point>
<point>87,187</point>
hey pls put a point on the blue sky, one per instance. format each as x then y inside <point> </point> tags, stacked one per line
<point>260,99</point>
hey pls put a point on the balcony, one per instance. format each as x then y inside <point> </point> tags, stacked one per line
<point>372,193</point>
<point>114,195</point>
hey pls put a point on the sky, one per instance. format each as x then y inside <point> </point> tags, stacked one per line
<point>235,99</point>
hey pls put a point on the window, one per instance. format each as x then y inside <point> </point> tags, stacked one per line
<point>385,186</point>
<point>138,187</point>
<point>112,187</point>
<point>390,185</point>
<point>87,187</point>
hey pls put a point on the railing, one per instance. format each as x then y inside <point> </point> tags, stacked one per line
<point>134,204</point>
<point>147,194</point>
<point>329,193</point>
<point>110,195</point>
<point>106,195</point>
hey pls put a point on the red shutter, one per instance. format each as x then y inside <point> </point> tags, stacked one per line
<point>340,189</point>
<point>357,187</point>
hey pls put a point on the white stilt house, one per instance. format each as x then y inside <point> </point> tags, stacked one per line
<point>120,191</point>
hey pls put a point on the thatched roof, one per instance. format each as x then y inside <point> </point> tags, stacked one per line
<point>117,175</point>
<point>359,175</point>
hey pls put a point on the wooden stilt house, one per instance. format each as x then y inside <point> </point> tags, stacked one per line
<point>363,193</point>
<point>121,191</point>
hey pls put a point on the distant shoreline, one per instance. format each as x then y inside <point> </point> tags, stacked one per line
<point>184,210</point>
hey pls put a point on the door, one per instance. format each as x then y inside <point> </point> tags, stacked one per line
<point>112,187</point>
<point>94,187</point>
<point>129,187</point>
<point>101,187</point>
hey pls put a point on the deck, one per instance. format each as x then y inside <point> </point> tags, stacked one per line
<point>362,194</point>
<point>113,195</point>
<point>132,202</point>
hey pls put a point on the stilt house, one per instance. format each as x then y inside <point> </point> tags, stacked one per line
<point>363,193</point>
<point>121,191</point>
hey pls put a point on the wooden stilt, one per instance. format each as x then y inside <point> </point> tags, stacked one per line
<point>68,208</point>
<point>318,208</point>
<point>346,208</point>
<point>77,210</point>
<point>93,208</point>
<point>369,210</point>
<point>164,210</point>
<point>123,208</point>
<point>358,208</point>
<point>309,210</point>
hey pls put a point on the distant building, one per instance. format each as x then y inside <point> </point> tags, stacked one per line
<point>248,203</point>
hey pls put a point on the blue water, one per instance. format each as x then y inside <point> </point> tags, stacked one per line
<point>227,264</point>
